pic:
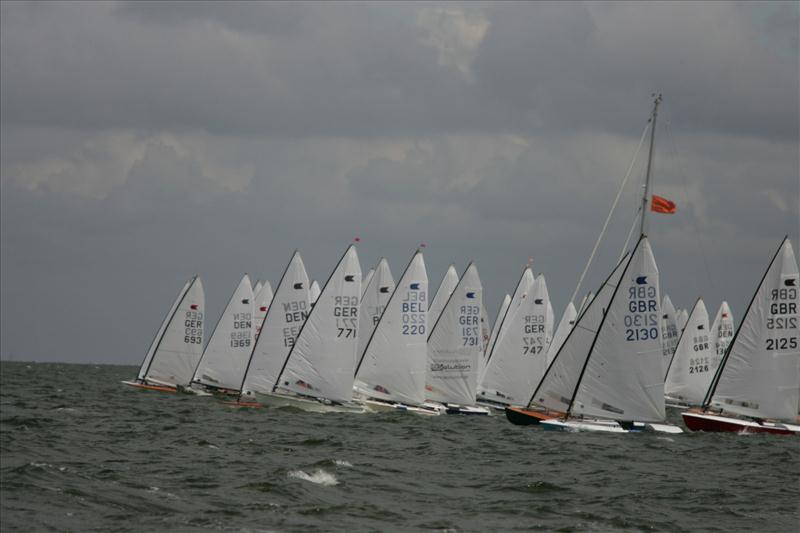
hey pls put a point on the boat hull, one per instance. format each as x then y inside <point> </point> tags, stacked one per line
<point>145,386</point>
<point>385,407</point>
<point>306,404</point>
<point>606,426</point>
<point>717,423</point>
<point>527,417</point>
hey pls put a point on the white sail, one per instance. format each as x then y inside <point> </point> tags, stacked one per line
<point>225,358</point>
<point>669,331</point>
<point>263,298</point>
<point>486,328</point>
<point>454,344</point>
<point>692,366</point>
<point>498,321</point>
<point>681,316</point>
<point>588,297</point>
<point>373,300</point>
<point>257,287</point>
<point>446,287</point>
<point>760,375</point>
<point>176,349</point>
<point>722,331</point>
<point>557,388</point>
<point>313,292</point>
<point>623,378</point>
<point>322,361</point>
<point>285,316</point>
<point>563,329</point>
<point>395,359</point>
<point>366,281</point>
<point>519,357</point>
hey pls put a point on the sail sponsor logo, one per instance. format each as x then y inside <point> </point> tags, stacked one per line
<point>414,311</point>
<point>193,327</point>
<point>782,320</point>
<point>345,310</point>
<point>469,320</point>
<point>454,365</point>
<point>642,319</point>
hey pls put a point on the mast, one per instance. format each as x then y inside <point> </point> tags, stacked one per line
<point>649,163</point>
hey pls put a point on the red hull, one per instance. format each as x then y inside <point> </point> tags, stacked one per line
<point>703,422</point>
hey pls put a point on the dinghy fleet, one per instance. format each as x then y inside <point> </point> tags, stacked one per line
<point>614,363</point>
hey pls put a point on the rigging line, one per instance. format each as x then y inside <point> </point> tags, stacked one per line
<point>693,219</point>
<point>630,234</point>
<point>608,218</point>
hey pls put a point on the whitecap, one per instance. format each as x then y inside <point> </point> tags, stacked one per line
<point>347,464</point>
<point>320,477</point>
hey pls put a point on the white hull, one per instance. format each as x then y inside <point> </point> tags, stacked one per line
<point>606,426</point>
<point>384,407</point>
<point>306,404</point>
<point>492,406</point>
<point>455,409</point>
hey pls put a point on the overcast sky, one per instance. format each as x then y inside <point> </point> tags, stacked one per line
<point>144,142</point>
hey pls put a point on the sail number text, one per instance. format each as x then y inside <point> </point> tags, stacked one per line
<point>345,309</point>
<point>641,321</point>
<point>414,309</point>
<point>782,316</point>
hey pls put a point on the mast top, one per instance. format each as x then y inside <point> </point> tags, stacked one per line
<point>656,100</point>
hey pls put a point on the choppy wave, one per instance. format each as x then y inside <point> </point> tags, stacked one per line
<point>79,451</point>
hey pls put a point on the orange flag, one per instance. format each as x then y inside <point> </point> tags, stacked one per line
<point>662,205</point>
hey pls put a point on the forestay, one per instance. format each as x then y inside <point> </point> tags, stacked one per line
<point>373,301</point>
<point>395,357</point>
<point>322,362</point>
<point>557,388</point>
<point>285,315</point>
<point>760,374</point>
<point>176,349</point>
<point>692,367</point>
<point>454,344</point>
<point>225,358</point>
<point>669,331</point>
<point>624,378</point>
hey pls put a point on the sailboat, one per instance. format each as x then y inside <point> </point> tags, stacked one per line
<point>722,331</point>
<point>692,365</point>
<point>263,299</point>
<point>621,384</point>
<point>366,281</point>
<point>318,373</point>
<point>224,359</point>
<point>608,375</point>
<point>391,373</point>
<point>454,346</point>
<point>178,344</point>
<point>373,300</point>
<point>279,328</point>
<point>504,318</point>
<point>669,331</point>
<point>519,357</point>
<point>757,384</point>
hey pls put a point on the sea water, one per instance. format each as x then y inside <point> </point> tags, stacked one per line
<point>79,451</point>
